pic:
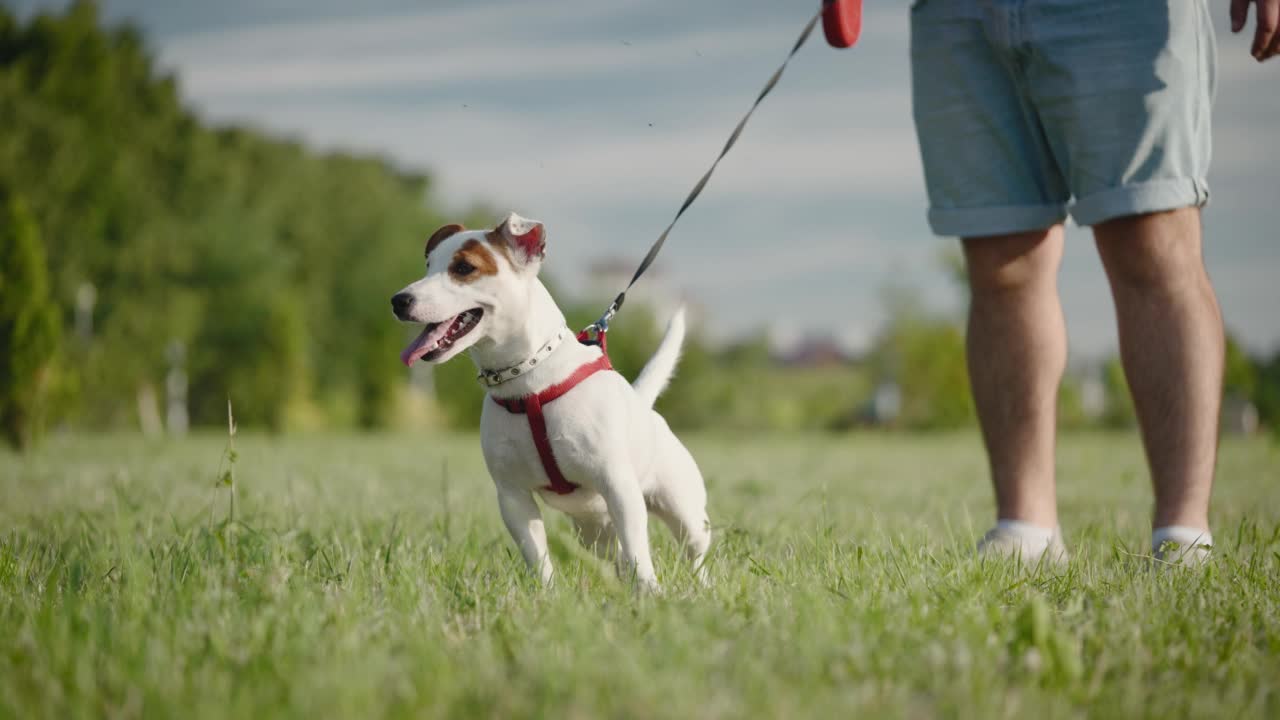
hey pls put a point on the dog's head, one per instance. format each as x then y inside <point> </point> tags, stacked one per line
<point>476,283</point>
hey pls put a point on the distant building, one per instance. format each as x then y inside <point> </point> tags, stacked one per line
<point>814,352</point>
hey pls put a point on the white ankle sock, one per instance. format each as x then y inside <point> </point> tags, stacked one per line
<point>1033,536</point>
<point>1186,537</point>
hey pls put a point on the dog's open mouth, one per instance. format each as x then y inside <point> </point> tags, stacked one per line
<point>437,338</point>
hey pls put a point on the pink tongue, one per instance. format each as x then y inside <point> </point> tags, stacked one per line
<point>425,342</point>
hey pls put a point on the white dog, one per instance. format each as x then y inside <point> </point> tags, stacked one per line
<point>558,422</point>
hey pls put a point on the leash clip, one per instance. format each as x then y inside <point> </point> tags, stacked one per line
<point>601,326</point>
<point>594,334</point>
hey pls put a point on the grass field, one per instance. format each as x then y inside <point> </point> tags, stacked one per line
<point>369,576</point>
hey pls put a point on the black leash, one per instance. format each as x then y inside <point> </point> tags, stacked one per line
<point>602,325</point>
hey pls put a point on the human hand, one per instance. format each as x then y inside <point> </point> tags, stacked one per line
<point>1266,40</point>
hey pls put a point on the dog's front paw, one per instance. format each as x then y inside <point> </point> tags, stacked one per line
<point>704,579</point>
<point>648,586</point>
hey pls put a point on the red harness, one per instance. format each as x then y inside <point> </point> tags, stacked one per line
<point>531,405</point>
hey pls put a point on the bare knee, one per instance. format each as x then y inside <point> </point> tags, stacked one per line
<point>1002,264</point>
<point>1154,252</point>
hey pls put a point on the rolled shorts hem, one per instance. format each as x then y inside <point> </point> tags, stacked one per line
<point>1001,220</point>
<point>1139,199</point>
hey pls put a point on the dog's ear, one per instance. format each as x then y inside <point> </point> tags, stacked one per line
<point>525,238</point>
<point>440,236</point>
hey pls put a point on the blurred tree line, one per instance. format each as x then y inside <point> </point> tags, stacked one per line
<point>134,238</point>
<point>269,262</point>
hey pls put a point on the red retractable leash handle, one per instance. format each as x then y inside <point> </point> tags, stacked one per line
<point>842,22</point>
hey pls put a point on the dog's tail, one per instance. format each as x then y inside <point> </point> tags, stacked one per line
<point>657,372</point>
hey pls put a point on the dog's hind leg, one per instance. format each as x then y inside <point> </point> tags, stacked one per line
<point>681,503</point>
<point>523,519</point>
<point>692,529</point>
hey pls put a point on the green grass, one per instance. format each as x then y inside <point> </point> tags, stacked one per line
<point>369,576</point>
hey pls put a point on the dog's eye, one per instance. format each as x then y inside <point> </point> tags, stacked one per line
<point>462,268</point>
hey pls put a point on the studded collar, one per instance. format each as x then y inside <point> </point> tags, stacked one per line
<point>494,378</point>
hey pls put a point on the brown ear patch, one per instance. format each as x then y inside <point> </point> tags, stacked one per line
<point>499,243</point>
<point>440,236</point>
<point>472,261</point>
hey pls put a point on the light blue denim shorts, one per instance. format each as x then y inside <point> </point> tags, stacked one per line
<point>1028,109</point>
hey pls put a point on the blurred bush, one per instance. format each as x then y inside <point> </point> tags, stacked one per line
<point>1267,394</point>
<point>923,353</point>
<point>272,263</point>
<point>129,228</point>
<point>29,329</point>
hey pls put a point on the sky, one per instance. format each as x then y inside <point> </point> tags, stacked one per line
<point>597,117</point>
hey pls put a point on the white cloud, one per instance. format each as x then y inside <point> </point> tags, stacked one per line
<point>560,97</point>
<point>482,153</point>
<point>333,69</point>
<point>474,24</point>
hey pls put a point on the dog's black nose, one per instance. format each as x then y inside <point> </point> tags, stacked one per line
<point>400,302</point>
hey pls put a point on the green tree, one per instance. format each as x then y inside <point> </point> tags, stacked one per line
<point>270,262</point>
<point>924,354</point>
<point>926,357</point>
<point>1267,394</point>
<point>1118,411</point>
<point>1240,374</point>
<point>1071,411</point>
<point>28,324</point>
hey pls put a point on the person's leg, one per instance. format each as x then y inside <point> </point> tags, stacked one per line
<point>992,179</point>
<point>1017,349</point>
<point>1171,344</point>
<point>1125,92</point>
